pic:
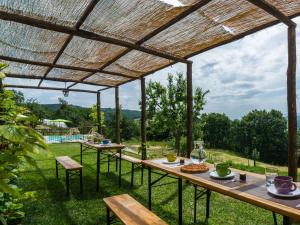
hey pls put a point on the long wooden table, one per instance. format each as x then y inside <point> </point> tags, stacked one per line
<point>253,191</point>
<point>112,148</point>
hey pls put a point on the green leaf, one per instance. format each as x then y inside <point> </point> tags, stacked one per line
<point>3,220</point>
<point>2,75</point>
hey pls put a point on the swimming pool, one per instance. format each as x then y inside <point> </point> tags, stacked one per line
<point>64,138</point>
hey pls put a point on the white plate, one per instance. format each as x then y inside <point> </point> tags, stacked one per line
<point>165,161</point>
<point>273,191</point>
<point>215,175</point>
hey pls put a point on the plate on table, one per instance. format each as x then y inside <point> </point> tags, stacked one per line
<point>272,190</point>
<point>215,175</point>
<point>165,161</point>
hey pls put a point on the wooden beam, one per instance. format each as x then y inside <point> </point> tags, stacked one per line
<point>51,79</point>
<point>143,119</point>
<point>49,88</point>
<point>30,62</point>
<point>85,14</point>
<point>103,89</point>
<point>272,10</point>
<point>117,111</point>
<point>99,113</point>
<point>292,107</point>
<point>85,34</point>
<point>189,109</point>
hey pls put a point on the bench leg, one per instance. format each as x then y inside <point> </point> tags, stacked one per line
<point>132,174</point>
<point>142,175</point>
<point>107,216</point>
<point>80,177</point>
<point>56,168</point>
<point>67,183</point>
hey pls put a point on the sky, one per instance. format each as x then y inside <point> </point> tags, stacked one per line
<point>247,74</point>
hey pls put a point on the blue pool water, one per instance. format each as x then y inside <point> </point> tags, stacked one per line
<point>64,138</point>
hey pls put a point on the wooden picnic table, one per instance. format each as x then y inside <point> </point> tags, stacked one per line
<point>111,148</point>
<point>253,191</point>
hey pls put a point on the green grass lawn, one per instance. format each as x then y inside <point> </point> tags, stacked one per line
<point>53,207</point>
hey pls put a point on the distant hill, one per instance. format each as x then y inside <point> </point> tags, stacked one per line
<point>131,114</point>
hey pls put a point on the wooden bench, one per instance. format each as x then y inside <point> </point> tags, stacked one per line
<point>130,212</point>
<point>134,164</point>
<point>71,166</point>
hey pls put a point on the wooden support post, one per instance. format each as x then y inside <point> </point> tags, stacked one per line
<point>189,108</point>
<point>143,118</point>
<point>99,112</point>
<point>291,100</point>
<point>117,115</point>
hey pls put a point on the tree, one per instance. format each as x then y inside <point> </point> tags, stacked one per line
<point>216,130</point>
<point>267,133</point>
<point>166,106</point>
<point>94,116</point>
<point>128,128</point>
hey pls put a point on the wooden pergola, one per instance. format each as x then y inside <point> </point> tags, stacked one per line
<point>110,43</point>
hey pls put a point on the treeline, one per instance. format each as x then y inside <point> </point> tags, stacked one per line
<point>258,134</point>
<point>82,117</point>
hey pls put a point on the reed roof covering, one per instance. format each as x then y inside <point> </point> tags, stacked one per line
<point>112,42</point>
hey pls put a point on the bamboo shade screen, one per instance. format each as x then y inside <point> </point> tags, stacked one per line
<point>128,20</point>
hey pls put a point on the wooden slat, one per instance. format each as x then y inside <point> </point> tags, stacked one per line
<point>131,212</point>
<point>230,189</point>
<point>129,158</point>
<point>68,163</point>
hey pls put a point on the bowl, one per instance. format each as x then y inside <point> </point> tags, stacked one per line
<point>105,141</point>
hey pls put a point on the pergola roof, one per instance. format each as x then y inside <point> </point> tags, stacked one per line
<point>109,43</point>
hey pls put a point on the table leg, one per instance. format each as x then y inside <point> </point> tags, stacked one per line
<point>120,167</point>
<point>179,201</point>
<point>67,182</point>
<point>107,216</point>
<point>56,167</point>
<point>80,153</point>
<point>98,170</point>
<point>149,187</point>
<point>286,220</point>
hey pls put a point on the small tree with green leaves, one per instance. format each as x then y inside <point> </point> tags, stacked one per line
<point>166,106</point>
<point>18,143</point>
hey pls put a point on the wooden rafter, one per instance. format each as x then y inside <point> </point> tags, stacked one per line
<point>49,88</point>
<point>25,61</point>
<point>53,79</point>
